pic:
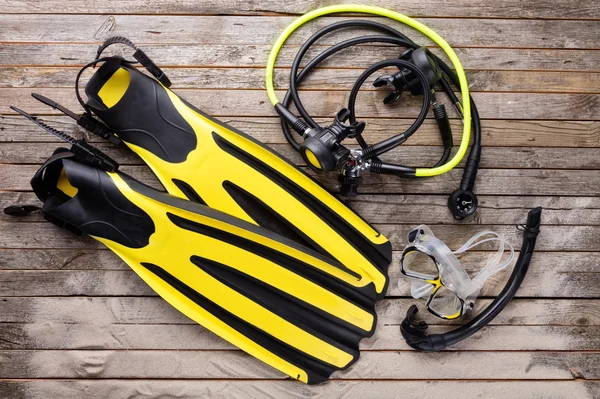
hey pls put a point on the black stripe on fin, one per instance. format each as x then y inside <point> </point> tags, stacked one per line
<point>363,297</point>
<point>376,254</point>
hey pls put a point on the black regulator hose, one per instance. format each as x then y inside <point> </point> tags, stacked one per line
<point>394,141</point>
<point>400,39</point>
<point>292,93</point>
<point>462,202</point>
<point>295,78</point>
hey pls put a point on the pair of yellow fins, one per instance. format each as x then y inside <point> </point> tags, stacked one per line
<point>244,243</point>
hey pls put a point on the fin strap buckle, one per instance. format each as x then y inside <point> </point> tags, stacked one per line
<point>80,149</point>
<point>25,210</point>
<point>152,67</point>
<point>62,224</point>
<point>85,120</point>
<point>140,57</point>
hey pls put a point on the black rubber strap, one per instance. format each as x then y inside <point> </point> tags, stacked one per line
<point>140,57</point>
<point>82,150</point>
<point>152,67</point>
<point>114,40</point>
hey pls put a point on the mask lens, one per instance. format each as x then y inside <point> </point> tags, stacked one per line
<point>419,265</point>
<point>446,303</point>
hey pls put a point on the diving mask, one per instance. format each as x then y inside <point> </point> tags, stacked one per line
<point>440,278</point>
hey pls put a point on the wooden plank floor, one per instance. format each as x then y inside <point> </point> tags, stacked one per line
<point>75,322</point>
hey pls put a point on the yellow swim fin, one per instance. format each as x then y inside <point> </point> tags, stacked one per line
<point>281,302</point>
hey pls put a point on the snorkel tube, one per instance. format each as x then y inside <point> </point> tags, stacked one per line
<point>414,332</point>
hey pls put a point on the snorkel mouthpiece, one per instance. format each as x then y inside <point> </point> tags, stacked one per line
<point>415,333</point>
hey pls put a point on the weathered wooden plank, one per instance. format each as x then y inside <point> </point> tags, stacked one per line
<point>251,30</point>
<point>529,81</point>
<point>419,209</point>
<point>141,311</point>
<point>552,238</point>
<point>238,55</point>
<point>490,181</point>
<point>453,8</point>
<point>326,104</point>
<point>54,336</point>
<point>236,365</point>
<point>492,157</point>
<point>150,323</point>
<point>256,389</point>
<point>323,79</point>
<point>65,259</point>
<point>517,133</point>
<point>491,210</point>
<point>551,274</point>
<point>66,283</point>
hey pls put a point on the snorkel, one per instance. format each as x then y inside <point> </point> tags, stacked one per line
<point>415,332</point>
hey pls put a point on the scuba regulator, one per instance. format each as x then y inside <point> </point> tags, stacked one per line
<point>420,72</point>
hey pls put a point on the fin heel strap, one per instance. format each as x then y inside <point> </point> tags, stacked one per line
<point>140,57</point>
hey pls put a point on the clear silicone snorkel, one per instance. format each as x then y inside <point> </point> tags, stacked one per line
<point>439,277</point>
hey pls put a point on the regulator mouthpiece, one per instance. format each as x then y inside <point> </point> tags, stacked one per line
<point>407,80</point>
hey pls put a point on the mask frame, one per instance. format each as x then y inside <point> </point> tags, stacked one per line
<point>451,274</point>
